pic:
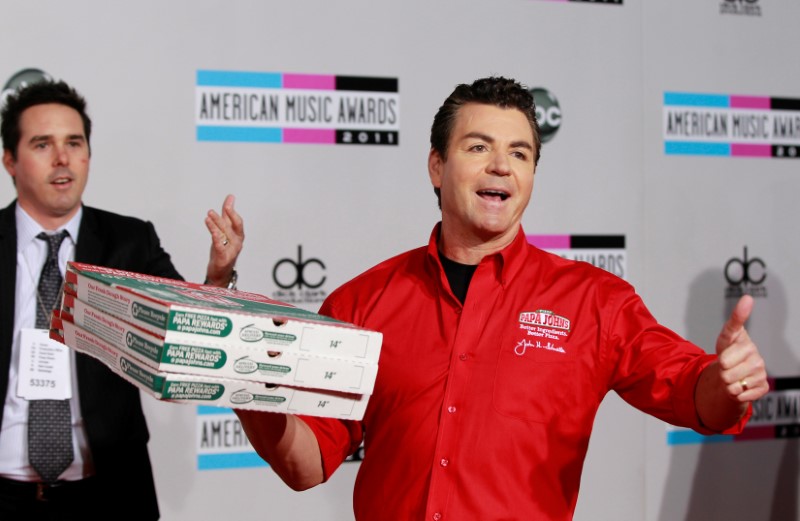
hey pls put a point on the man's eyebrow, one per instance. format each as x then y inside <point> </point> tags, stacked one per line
<point>479,135</point>
<point>49,137</point>
<point>41,138</point>
<point>489,139</point>
<point>522,144</point>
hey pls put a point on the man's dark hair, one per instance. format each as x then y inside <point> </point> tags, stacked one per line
<point>39,93</point>
<point>495,90</point>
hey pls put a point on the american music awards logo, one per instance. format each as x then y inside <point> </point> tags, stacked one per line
<point>731,125</point>
<point>603,251</point>
<point>275,107</point>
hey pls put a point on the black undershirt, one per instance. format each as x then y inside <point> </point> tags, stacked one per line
<point>458,276</point>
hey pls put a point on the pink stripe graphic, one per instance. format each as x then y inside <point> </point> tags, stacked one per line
<point>309,81</point>
<point>743,150</point>
<point>750,102</point>
<point>309,135</point>
<point>550,242</point>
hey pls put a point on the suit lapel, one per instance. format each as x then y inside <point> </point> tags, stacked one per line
<point>8,283</point>
<point>89,248</point>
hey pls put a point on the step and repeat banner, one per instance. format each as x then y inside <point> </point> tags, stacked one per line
<point>671,158</point>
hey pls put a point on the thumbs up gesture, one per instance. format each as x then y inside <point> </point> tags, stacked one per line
<point>741,368</point>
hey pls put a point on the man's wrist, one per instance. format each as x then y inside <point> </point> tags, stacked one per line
<point>231,282</point>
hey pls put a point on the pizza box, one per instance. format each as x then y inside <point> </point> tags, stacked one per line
<point>240,360</point>
<point>184,312</point>
<point>207,390</point>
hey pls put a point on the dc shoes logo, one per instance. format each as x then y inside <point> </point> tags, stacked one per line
<point>745,276</point>
<point>295,270</point>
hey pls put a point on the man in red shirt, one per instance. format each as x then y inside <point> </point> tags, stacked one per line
<point>496,355</point>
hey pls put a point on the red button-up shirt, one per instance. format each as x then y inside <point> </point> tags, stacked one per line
<point>483,411</point>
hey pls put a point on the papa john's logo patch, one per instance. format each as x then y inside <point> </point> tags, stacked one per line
<point>549,331</point>
<point>544,318</point>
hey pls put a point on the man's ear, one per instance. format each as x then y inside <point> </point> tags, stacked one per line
<point>8,163</point>
<point>435,164</point>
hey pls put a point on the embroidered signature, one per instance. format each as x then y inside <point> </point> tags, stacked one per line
<point>523,346</point>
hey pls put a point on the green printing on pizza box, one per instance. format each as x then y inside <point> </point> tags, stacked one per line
<point>244,396</point>
<point>250,333</point>
<point>149,315</point>
<point>136,343</point>
<point>194,356</point>
<point>245,365</point>
<point>267,399</point>
<point>193,390</point>
<point>171,389</point>
<point>141,375</point>
<point>199,323</point>
<point>177,354</point>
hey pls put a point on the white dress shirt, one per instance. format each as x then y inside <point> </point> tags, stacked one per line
<point>31,255</point>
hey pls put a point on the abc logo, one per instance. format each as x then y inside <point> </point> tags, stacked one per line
<point>22,78</point>
<point>548,113</point>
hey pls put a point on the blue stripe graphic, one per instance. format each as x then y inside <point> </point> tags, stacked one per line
<point>264,80</point>
<point>238,460</point>
<point>687,99</point>
<point>207,409</point>
<point>691,437</point>
<point>240,134</point>
<point>699,149</point>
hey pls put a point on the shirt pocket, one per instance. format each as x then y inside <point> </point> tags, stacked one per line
<point>535,381</point>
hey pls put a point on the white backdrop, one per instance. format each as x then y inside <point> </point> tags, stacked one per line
<point>349,206</point>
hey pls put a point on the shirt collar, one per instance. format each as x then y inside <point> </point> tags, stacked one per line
<point>28,228</point>
<point>508,261</point>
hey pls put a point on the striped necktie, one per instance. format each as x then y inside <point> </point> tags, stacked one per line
<point>49,421</point>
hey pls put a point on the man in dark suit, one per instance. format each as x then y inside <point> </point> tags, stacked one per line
<point>46,150</point>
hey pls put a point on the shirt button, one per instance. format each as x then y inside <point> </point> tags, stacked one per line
<point>444,462</point>
<point>437,516</point>
<point>462,356</point>
<point>451,409</point>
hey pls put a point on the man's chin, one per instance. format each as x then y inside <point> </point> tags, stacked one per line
<point>64,208</point>
<point>493,231</point>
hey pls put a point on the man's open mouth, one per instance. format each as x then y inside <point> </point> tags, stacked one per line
<point>494,194</point>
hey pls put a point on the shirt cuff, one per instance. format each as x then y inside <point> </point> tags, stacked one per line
<point>337,439</point>
<point>683,401</point>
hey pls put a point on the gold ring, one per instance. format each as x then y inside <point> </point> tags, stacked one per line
<point>743,383</point>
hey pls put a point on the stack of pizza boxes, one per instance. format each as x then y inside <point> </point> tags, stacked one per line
<point>200,344</point>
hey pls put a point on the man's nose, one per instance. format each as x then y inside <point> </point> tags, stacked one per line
<point>61,156</point>
<point>500,165</point>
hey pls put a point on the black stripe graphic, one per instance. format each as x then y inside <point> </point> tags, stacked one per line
<point>598,242</point>
<point>785,103</point>
<point>363,83</point>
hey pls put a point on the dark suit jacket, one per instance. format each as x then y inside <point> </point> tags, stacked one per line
<point>111,408</point>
